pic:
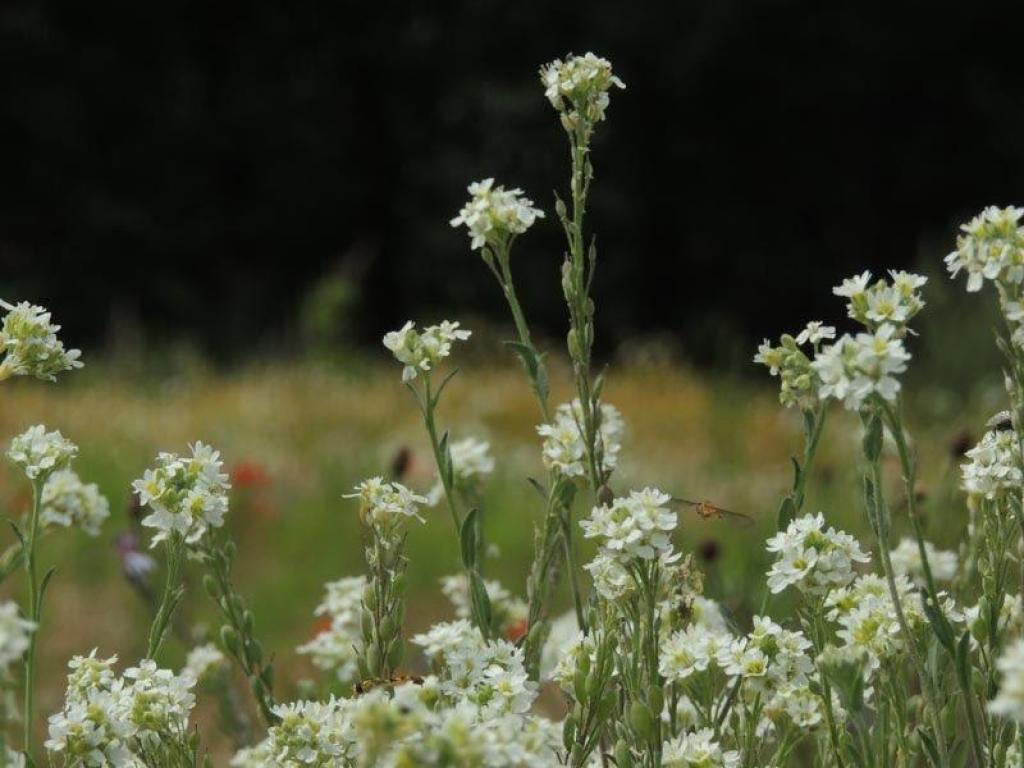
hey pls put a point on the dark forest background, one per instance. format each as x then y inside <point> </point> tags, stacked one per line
<point>250,174</point>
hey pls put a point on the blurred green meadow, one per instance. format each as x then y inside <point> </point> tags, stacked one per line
<point>296,436</point>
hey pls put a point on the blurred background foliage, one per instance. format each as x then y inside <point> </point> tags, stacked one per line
<point>262,177</point>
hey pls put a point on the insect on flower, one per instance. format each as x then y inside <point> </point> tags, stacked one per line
<point>708,510</point>
<point>365,686</point>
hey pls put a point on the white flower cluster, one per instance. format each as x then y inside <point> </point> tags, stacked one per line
<point>692,650</point>
<point>811,558</point>
<point>40,453</point>
<point>335,648</point>
<point>992,469</point>
<point>108,719</point>
<point>883,303</point>
<point>906,560</point>
<point>635,526</point>
<point>67,501</point>
<point>564,447</point>
<point>384,505</point>
<point>854,368</point>
<point>30,345</point>
<point>422,350</point>
<point>583,82</point>
<point>203,661</point>
<point>508,611</point>
<point>867,617</point>
<point>15,633</point>
<point>471,461</point>
<point>490,676</point>
<point>698,749</point>
<point>800,382</point>
<point>186,495</point>
<point>413,724</point>
<point>1009,702</point>
<point>769,659</point>
<point>990,248</point>
<point>493,215</point>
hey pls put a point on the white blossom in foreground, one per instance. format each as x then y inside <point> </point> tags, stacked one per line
<point>854,368</point>
<point>990,248</point>
<point>811,558</point>
<point>202,661</point>
<point>444,635</point>
<point>564,448</point>
<point>634,526</point>
<point>67,502</point>
<point>690,651</point>
<point>335,648</point>
<point>867,617</point>
<point>992,469</point>
<point>494,214</point>
<point>883,302</point>
<point>1009,702</point>
<point>309,733</point>
<point>611,579</point>
<point>578,87</point>
<point>29,343</point>
<point>697,750</point>
<point>906,560</point>
<point>187,495</point>
<point>770,658</point>
<point>15,633</point>
<point>40,453</point>
<point>471,462</point>
<point>384,504</point>
<point>423,350</point>
<point>115,721</point>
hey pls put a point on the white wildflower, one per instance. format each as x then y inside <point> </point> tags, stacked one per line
<point>423,350</point>
<point>1009,702</point>
<point>493,215</point>
<point>564,447</point>
<point>40,453</point>
<point>992,469</point>
<point>309,733</point>
<point>185,495</point>
<point>882,302</point>
<point>906,560</point>
<point>811,558</point>
<point>29,343</point>
<point>634,526</point>
<point>67,501</point>
<point>854,368</point>
<point>690,651</point>
<point>611,580</point>
<point>815,332</point>
<point>990,248</point>
<point>697,750</point>
<point>202,661</point>
<point>471,461</point>
<point>578,87</point>
<point>15,633</point>
<point>385,505</point>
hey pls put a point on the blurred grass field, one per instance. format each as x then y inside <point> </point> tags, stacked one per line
<point>296,437</point>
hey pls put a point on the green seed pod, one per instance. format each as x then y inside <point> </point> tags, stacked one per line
<point>249,622</point>
<point>594,682</point>
<point>229,638</point>
<point>623,757</point>
<point>387,629</point>
<point>255,651</point>
<point>642,720</point>
<point>366,625</point>
<point>395,653</point>
<point>370,598</point>
<point>210,585</point>
<point>656,698</point>
<point>373,661</point>
<point>398,585</point>
<point>579,686</point>
<point>568,733</point>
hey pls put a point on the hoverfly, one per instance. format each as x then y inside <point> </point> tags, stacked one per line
<point>365,686</point>
<point>708,510</point>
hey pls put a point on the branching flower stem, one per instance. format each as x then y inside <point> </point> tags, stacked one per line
<point>172,594</point>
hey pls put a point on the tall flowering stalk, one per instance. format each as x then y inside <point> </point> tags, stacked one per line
<point>39,453</point>
<point>384,509</point>
<point>420,352</point>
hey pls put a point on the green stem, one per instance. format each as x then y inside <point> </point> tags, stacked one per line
<point>171,596</point>
<point>927,690</point>
<point>34,605</point>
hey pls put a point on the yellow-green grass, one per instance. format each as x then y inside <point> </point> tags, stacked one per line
<point>316,431</point>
